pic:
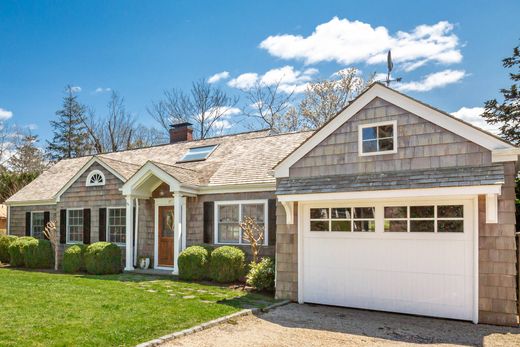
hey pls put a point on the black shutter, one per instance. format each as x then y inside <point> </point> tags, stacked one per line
<point>46,219</point>
<point>102,224</point>
<point>209,208</point>
<point>27,223</point>
<point>271,222</point>
<point>86,226</point>
<point>63,226</point>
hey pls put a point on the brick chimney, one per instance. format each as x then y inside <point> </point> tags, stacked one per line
<point>181,132</point>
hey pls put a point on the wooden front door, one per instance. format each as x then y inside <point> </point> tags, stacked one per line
<point>165,239</point>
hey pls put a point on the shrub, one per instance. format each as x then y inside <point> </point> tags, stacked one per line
<point>102,258</point>
<point>226,264</point>
<point>17,249</point>
<point>261,274</point>
<point>73,259</point>
<point>5,242</point>
<point>193,263</point>
<point>38,254</point>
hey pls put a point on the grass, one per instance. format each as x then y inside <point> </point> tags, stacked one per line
<point>46,309</point>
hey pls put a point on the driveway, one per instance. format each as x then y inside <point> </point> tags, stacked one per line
<point>314,325</point>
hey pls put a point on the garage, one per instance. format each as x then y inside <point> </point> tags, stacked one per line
<point>412,256</point>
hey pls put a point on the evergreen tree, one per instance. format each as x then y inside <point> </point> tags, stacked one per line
<point>70,137</point>
<point>507,112</point>
<point>27,157</point>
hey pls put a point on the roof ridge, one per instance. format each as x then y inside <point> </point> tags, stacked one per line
<point>103,157</point>
<point>174,166</point>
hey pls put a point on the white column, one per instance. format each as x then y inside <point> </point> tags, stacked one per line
<point>177,219</point>
<point>184,222</point>
<point>129,233</point>
<point>136,231</point>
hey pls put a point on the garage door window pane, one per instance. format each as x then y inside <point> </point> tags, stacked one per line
<point>422,226</point>
<point>396,225</point>
<point>340,213</point>
<point>341,225</point>
<point>422,212</point>
<point>450,211</point>
<point>364,212</point>
<point>318,225</point>
<point>319,213</point>
<point>450,226</point>
<point>396,212</point>
<point>364,226</point>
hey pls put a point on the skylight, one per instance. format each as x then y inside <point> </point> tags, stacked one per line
<point>198,153</point>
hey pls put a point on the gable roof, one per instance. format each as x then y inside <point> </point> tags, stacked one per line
<point>377,90</point>
<point>238,159</point>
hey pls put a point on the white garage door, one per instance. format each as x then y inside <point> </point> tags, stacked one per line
<point>400,257</point>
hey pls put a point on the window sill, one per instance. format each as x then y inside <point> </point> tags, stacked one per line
<point>368,154</point>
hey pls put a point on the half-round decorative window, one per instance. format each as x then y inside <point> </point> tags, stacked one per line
<point>95,178</point>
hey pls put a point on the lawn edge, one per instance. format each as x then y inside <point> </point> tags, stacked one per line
<point>210,324</point>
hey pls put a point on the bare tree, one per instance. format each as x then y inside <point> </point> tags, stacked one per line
<point>254,234</point>
<point>324,99</point>
<point>51,233</point>
<point>9,137</point>
<point>27,157</point>
<point>207,107</point>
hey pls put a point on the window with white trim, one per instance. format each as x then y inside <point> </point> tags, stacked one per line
<point>198,153</point>
<point>378,138</point>
<point>428,218</point>
<point>342,219</point>
<point>116,225</point>
<point>229,215</point>
<point>37,225</point>
<point>75,226</point>
<point>95,178</point>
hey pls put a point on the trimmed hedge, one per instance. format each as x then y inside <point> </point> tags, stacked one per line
<point>38,254</point>
<point>261,274</point>
<point>73,259</point>
<point>102,258</point>
<point>5,242</point>
<point>226,264</point>
<point>17,250</point>
<point>193,263</point>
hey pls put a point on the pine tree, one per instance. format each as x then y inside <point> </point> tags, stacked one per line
<point>507,113</point>
<point>70,138</point>
<point>27,157</point>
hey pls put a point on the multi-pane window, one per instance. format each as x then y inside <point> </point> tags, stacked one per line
<point>343,219</point>
<point>95,178</point>
<point>428,218</point>
<point>229,216</point>
<point>377,139</point>
<point>37,225</point>
<point>75,226</point>
<point>116,225</point>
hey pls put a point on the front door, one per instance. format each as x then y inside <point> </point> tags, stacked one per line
<point>165,230</point>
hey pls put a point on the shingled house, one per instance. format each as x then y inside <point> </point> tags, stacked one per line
<point>392,205</point>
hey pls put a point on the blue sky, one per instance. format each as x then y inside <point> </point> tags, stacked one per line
<point>448,52</point>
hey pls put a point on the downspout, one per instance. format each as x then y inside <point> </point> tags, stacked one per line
<point>136,229</point>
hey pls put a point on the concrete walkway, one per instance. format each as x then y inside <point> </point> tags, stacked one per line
<point>313,325</point>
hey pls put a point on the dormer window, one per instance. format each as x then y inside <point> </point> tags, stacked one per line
<point>95,178</point>
<point>198,153</point>
<point>378,138</point>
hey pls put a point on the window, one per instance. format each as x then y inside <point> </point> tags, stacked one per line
<point>343,219</point>
<point>229,215</point>
<point>198,153</point>
<point>75,226</point>
<point>37,225</point>
<point>95,178</point>
<point>429,218</point>
<point>379,138</point>
<point>116,227</point>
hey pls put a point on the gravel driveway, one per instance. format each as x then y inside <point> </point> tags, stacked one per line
<point>314,325</point>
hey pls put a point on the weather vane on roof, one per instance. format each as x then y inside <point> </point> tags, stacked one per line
<point>390,66</point>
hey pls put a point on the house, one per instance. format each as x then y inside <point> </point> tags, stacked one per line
<point>3,219</point>
<point>392,205</point>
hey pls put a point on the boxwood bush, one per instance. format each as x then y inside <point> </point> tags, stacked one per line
<point>102,258</point>
<point>73,260</point>
<point>17,249</point>
<point>261,274</point>
<point>5,242</point>
<point>38,254</point>
<point>193,263</point>
<point>226,264</point>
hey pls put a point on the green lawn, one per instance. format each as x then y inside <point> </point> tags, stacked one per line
<point>43,309</point>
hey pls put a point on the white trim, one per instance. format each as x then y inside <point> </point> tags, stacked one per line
<point>503,155</point>
<point>372,125</point>
<point>31,203</point>
<point>289,211</point>
<point>475,260</point>
<point>129,249</point>
<point>184,210</point>
<point>31,224</point>
<point>67,232</point>
<point>300,254</point>
<point>238,188</point>
<point>377,90</point>
<point>240,203</point>
<point>491,208</point>
<point>157,203</point>
<point>136,230</point>
<point>398,193</point>
<point>89,177</point>
<point>107,231</point>
<point>8,220</point>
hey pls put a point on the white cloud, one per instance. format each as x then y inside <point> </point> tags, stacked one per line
<point>288,79</point>
<point>218,77</point>
<point>102,90</point>
<point>75,89</point>
<point>348,42</point>
<point>5,114</point>
<point>31,126</point>
<point>432,81</point>
<point>473,115</point>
